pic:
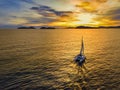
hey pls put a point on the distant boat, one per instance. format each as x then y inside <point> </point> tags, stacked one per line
<point>80,58</point>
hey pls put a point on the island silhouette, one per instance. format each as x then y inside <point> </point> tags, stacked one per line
<point>43,27</point>
<point>78,27</point>
<point>24,27</point>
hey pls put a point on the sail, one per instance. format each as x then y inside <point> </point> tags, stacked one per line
<point>82,47</point>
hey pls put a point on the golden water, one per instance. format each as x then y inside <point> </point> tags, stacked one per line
<point>43,59</point>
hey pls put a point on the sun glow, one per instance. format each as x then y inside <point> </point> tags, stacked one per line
<point>85,18</point>
<point>80,19</point>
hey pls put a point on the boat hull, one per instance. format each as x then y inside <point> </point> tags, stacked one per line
<point>80,59</point>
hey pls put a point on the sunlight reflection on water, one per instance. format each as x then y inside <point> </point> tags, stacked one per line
<point>43,59</point>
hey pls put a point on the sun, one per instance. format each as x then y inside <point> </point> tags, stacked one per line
<point>85,18</point>
<point>78,19</point>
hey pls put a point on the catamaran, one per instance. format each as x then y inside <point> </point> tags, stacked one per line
<point>80,58</point>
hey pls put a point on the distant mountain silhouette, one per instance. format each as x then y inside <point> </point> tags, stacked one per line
<point>31,27</point>
<point>89,27</point>
<point>109,27</point>
<point>47,28</point>
<point>78,27</point>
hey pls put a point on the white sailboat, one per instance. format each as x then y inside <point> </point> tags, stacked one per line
<point>80,58</point>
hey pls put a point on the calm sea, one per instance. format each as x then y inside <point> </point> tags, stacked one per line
<point>43,59</point>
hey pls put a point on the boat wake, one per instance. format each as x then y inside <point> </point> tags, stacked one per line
<point>78,80</point>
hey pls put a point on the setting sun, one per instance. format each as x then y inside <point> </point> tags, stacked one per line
<point>85,18</point>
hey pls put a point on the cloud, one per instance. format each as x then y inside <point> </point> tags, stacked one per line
<point>44,10</point>
<point>51,16</point>
<point>101,1</point>
<point>87,7</point>
<point>114,14</point>
<point>29,1</point>
<point>48,11</point>
<point>96,6</point>
<point>110,17</point>
<point>61,12</point>
<point>114,11</point>
<point>90,6</point>
<point>107,12</point>
<point>42,20</point>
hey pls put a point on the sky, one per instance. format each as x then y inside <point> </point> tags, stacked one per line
<point>59,13</point>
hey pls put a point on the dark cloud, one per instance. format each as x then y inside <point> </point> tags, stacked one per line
<point>50,15</point>
<point>110,17</point>
<point>115,14</point>
<point>29,1</point>
<point>48,11</point>
<point>114,11</point>
<point>63,13</point>
<point>117,17</point>
<point>35,8</point>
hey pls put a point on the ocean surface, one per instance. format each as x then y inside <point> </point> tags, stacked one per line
<point>43,59</point>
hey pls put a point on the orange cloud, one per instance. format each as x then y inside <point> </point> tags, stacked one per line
<point>90,6</point>
<point>87,6</point>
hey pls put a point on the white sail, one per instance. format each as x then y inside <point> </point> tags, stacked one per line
<point>82,47</point>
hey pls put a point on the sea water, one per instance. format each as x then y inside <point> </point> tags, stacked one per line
<point>43,59</point>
